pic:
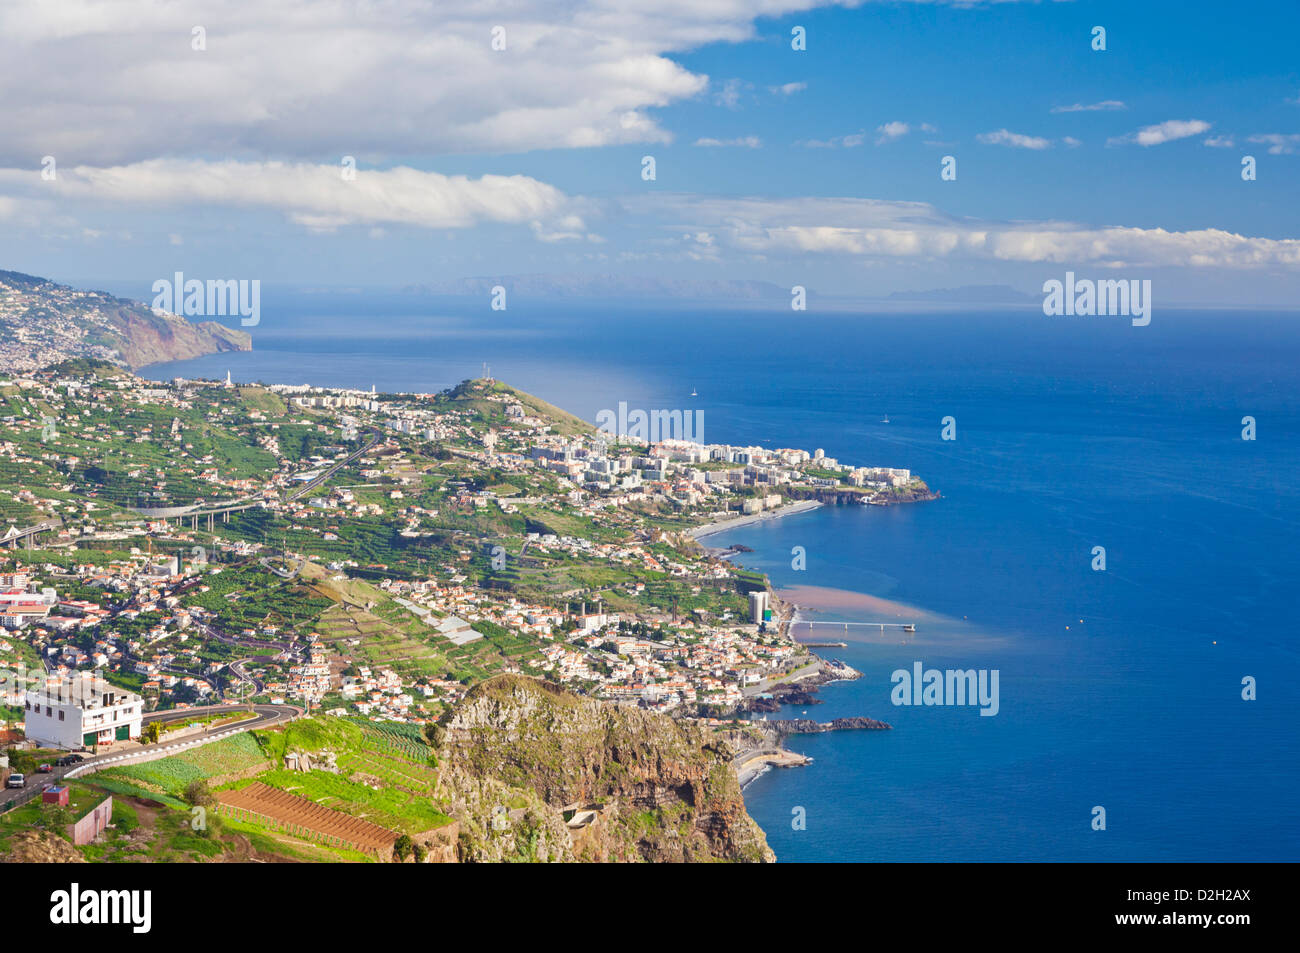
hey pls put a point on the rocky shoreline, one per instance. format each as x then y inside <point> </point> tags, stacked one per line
<point>803,691</point>
<point>806,726</point>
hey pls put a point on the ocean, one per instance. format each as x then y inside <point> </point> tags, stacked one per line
<point>1119,689</point>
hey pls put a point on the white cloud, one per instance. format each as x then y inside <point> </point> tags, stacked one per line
<point>1279,144</point>
<point>748,142</point>
<point>730,92</point>
<point>1220,142</point>
<point>851,141</point>
<point>1072,142</point>
<point>875,229</point>
<point>1167,131</point>
<point>110,82</point>
<point>1004,137</point>
<point>891,131</point>
<point>1106,105</point>
<point>788,89</point>
<point>315,196</point>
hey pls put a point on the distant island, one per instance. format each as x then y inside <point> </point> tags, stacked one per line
<point>607,286</point>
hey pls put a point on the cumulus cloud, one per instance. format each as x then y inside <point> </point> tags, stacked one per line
<point>1004,137</point>
<point>110,82</point>
<point>1106,105</point>
<point>868,228</point>
<point>788,89</point>
<point>1167,131</point>
<point>1220,142</point>
<point>891,131</point>
<point>316,196</point>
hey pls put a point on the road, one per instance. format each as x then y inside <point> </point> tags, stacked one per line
<point>31,532</point>
<point>265,716</point>
<point>767,683</point>
<point>375,437</point>
<point>237,669</point>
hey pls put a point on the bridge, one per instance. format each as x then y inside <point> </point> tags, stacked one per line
<point>14,534</point>
<point>905,626</point>
<point>210,511</point>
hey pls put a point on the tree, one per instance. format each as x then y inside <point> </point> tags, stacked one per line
<point>197,793</point>
<point>403,847</point>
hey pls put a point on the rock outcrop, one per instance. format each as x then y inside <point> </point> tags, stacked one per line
<point>806,726</point>
<point>534,772</point>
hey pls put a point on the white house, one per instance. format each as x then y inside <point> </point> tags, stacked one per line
<point>81,710</point>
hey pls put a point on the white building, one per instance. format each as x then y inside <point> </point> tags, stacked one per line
<point>81,710</point>
<point>757,605</point>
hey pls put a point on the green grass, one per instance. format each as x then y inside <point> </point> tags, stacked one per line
<point>227,756</point>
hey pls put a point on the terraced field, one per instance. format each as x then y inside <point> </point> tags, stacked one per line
<point>385,770</point>
<point>170,775</point>
<point>381,644</point>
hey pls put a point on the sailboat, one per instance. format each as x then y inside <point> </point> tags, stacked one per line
<point>693,394</point>
<point>886,420</point>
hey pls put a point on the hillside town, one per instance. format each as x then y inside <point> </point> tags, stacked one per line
<point>374,554</point>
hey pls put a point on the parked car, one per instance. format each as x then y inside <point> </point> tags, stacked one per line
<point>44,769</point>
<point>15,781</point>
<point>69,759</point>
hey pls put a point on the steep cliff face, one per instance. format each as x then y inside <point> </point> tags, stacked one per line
<point>44,323</point>
<point>534,772</point>
<point>148,338</point>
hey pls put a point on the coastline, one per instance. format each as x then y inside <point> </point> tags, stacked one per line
<point>719,526</point>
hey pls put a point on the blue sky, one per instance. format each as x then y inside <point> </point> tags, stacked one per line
<point>224,161</point>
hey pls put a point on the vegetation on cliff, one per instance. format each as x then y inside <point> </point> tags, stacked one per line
<point>525,762</point>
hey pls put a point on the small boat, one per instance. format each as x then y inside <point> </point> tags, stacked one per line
<point>693,394</point>
<point>886,420</point>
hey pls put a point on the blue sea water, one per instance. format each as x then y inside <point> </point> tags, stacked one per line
<point>1120,689</point>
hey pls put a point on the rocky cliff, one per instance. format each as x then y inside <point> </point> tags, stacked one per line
<point>534,772</point>
<point>145,337</point>
<point>44,323</point>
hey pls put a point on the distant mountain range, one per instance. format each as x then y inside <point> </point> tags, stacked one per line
<point>633,286</point>
<point>968,294</point>
<point>604,286</point>
<point>43,323</point>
